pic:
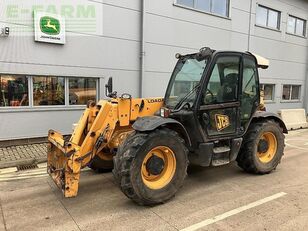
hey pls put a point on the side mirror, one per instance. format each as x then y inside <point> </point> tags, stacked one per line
<point>109,87</point>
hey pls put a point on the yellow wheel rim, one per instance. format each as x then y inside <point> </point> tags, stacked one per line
<point>168,161</point>
<point>105,156</point>
<point>268,155</point>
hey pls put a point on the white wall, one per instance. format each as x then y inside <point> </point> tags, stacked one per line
<point>113,52</point>
<point>116,52</point>
<point>173,29</point>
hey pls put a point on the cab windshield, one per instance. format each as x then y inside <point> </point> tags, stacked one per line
<point>185,81</point>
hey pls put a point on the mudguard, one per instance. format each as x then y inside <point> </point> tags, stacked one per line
<point>270,115</point>
<point>149,123</point>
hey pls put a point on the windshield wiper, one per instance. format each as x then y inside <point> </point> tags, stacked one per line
<point>186,96</point>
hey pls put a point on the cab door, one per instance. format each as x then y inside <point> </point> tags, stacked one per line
<point>218,113</point>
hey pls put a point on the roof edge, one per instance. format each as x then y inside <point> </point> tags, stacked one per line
<point>262,62</point>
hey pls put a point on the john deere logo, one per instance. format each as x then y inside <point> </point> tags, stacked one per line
<point>50,26</point>
<point>222,122</point>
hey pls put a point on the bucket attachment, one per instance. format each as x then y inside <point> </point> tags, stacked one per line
<point>59,164</point>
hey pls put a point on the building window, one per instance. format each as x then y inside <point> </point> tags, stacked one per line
<point>48,91</point>
<point>220,7</point>
<point>81,90</point>
<point>296,26</point>
<point>14,91</point>
<point>269,91</point>
<point>267,17</point>
<point>291,92</point>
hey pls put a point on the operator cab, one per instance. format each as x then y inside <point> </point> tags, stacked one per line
<point>214,94</point>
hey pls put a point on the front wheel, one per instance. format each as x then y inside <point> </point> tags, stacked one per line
<point>152,166</point>
<point>262,147</point>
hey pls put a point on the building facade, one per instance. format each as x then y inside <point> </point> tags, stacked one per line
<point>46,85</point>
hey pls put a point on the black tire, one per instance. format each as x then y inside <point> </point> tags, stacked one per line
<point>101,166</point>
<point>129,159</point>
<point>121,149</point>
<point>248,156</point>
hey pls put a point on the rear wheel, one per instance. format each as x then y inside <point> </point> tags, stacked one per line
<point>262,148</point>
<point>101,165</point>
<point>152,166</point>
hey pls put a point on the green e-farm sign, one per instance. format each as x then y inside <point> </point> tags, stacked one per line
<point>49,28</point>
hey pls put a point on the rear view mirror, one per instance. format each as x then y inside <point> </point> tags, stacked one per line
<point>108,87</point>
<point>203,53</point>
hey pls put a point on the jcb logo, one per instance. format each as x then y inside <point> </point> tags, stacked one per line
<point>222,122</point>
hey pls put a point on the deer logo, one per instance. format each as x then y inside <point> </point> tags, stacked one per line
<point>50,25</point>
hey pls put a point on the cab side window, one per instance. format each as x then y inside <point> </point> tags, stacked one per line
<point>249,88</point>
<point>223,83</point>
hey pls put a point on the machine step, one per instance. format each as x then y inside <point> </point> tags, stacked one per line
<point>221,156</point>
<point>221,149</point>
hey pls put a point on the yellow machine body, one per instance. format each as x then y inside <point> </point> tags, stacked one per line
<point>100,130</point>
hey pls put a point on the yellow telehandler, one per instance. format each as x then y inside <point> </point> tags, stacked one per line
<point>210,116</point>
